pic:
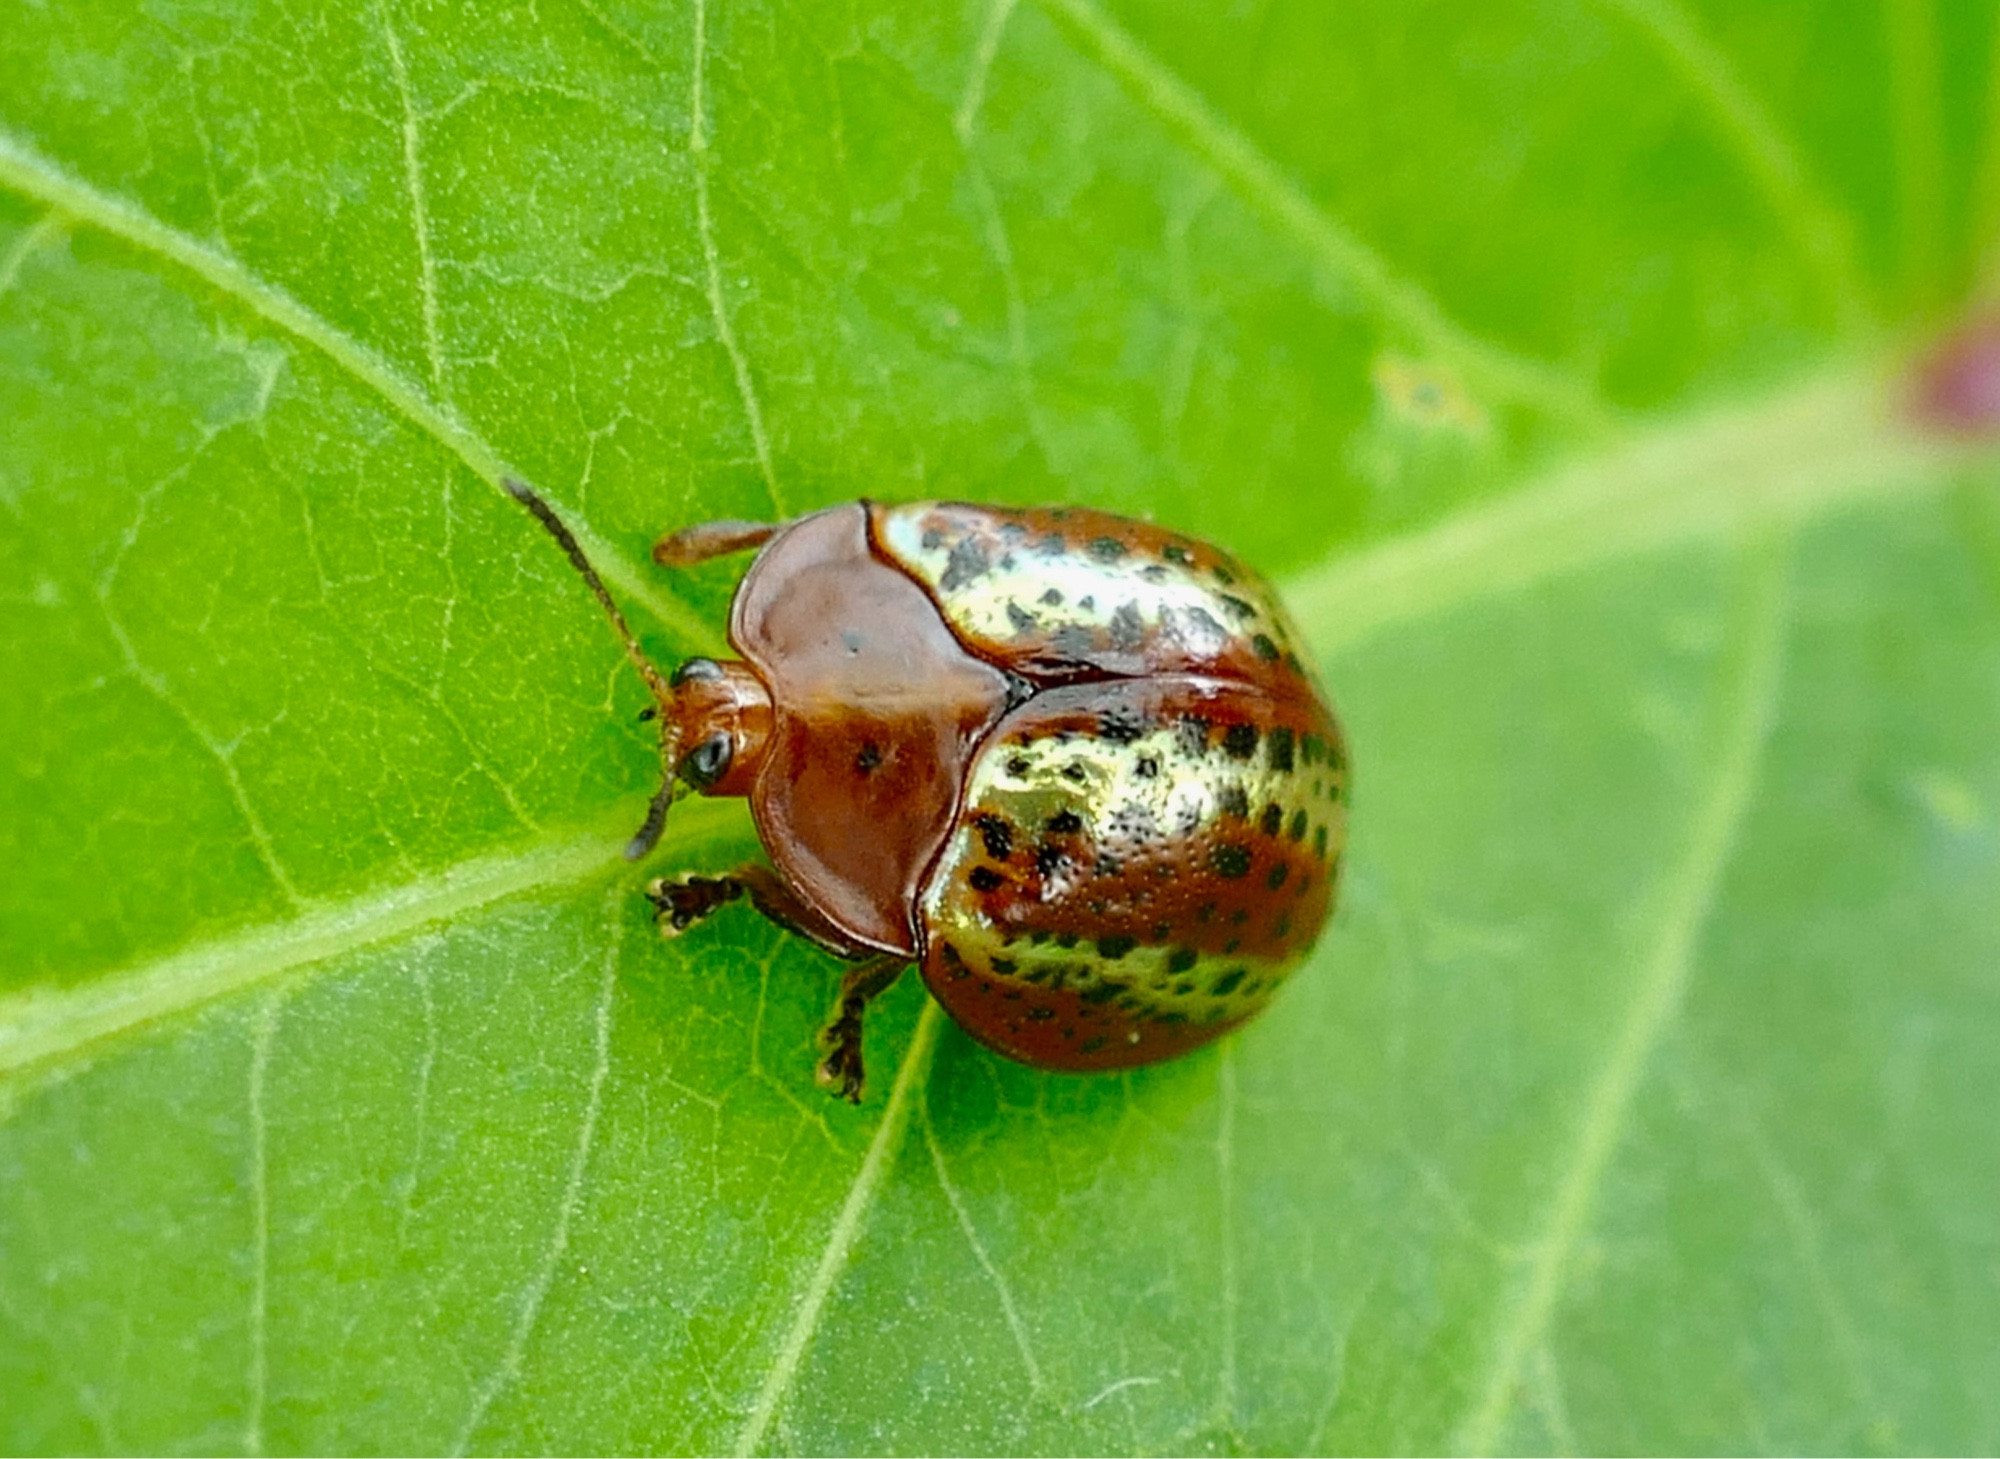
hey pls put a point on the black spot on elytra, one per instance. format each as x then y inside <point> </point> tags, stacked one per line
<point>1204,621</point>
<point>1297,829</point>
<point>1273,819</point>
<point>1101,992</point>
<point>1283,926</point>
<point>1066,940</point>
<point>985,879</point>
<point>966,564</point>
<point>1073,641</point>
<point>1075,772</point>
<point>1107,549</point>
<point>1191,736</point>
<point>1229,981</point>
<point>1280,743</point>
<point>1313,748</point>
<point>1278,874</point>
<point>1182,959</point>
<point>1090,1045</point>
<point>1052,598</point>
<point>1236,608</point>
<point>1005,967</point>
<point>869,758</point>
<point>932,539</point>
<point>1162,931</point>
<point>1020,617</point>
<point>1223,575</point>
<point>1065,823</point>
<point>1230,860</point>
<point>1240,741</point>
<point>1122,725</point>
<point>1266,650</point>
<point>1319,841</point>
<point>1040,1014</point>
<point>1115,947</point>
<point>951,956</point>
<point>1128,629</point>
<point>1232,801</point>
<point>1177,555</point>
<point>1087,602</point>
<point>1018,765</point>
<point>998,835</point>
<point>1152,572</point>
<point>1107,865</point>
<point>1148,767</point>
<point>1049,860</point>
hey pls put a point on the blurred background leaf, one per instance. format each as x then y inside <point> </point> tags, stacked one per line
<point>1547,350</point>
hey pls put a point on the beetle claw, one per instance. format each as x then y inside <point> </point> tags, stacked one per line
<point>683,901</point>
<point>840,1073</point>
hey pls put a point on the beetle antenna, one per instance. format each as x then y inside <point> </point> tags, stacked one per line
<point>648,835</point>
<point>528,497</point>
<point>663,798</point>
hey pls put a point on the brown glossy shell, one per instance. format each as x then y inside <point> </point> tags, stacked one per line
<point>876,710</point>
<point>1071,763</point>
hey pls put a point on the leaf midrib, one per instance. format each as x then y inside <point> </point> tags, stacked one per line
<point>42,1027</point>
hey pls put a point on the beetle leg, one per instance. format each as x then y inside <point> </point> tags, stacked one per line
<point>840,1072</point>
<point>680,902</point>
<point>710,539</point>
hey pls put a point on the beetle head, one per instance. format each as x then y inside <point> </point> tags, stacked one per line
<point>718,720</point>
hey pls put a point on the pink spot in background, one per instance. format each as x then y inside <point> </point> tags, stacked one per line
<point>1956,386</point>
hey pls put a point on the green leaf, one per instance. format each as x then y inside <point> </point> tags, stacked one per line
<point>1551,354</point>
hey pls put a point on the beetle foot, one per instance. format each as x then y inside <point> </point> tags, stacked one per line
<point>840,1073</point>
<point>680,902</point>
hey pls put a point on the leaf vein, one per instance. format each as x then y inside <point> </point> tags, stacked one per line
<point>1008,1309</point>
<point>37,235</point>
<point>1262,182</point>
<point>537,1293</point>
<point>1821,233</point>
<point>725,332</point>
<point>1831,441</point>
<point>973,96</point>
<point>413,180</point>
<point>777,1385</point>
<point>264,1031</point>
<point>42,1026</point>
<point>1523,1323</point>
<point>32,175</point>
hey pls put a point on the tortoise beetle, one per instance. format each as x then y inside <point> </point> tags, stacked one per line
<point>1069,764</point>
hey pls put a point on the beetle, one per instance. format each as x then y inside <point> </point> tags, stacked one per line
<point>1070,765</point>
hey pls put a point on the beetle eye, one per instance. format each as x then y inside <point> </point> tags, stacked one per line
<point>694,669</point>
<point>706,761</point>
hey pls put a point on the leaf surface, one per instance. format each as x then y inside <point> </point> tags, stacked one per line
<point>1548,353</point>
